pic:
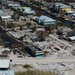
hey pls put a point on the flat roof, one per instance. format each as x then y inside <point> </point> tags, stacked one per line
<point>4,63</point>
<point>7,72</point>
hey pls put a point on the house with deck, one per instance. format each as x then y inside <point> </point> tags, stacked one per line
<point>60,7</point>
<point>45,20</point>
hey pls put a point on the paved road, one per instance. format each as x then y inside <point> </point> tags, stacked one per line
<point>42,60</point>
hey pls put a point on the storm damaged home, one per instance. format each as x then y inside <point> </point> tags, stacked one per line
<point>34,51</point>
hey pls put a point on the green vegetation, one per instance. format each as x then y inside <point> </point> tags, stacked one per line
<point>35,72</point>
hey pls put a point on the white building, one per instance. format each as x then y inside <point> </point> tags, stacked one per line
<point>5,68</point>
<point>4,64</point>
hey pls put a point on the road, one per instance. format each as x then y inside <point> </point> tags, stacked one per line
<point>44,59</point>
<point>41,60</point>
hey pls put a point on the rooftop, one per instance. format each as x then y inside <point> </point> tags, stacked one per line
<point>10,72</point>
<point>62,5</point>
<point>6,17</point>
<point>4,64</point>
<point>15,5</point>
<point>45,18</point>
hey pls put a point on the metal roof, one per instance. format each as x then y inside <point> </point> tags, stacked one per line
<point>27,8</point>
<point>72,38</point>
<point>70,11</point>
<point>62,5</point>
<point>15,5</point>
<point>30,12</point>
<point>6,17</point>
<point>45,18</point>
<point>7,72</point>
<point>4,64</point>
